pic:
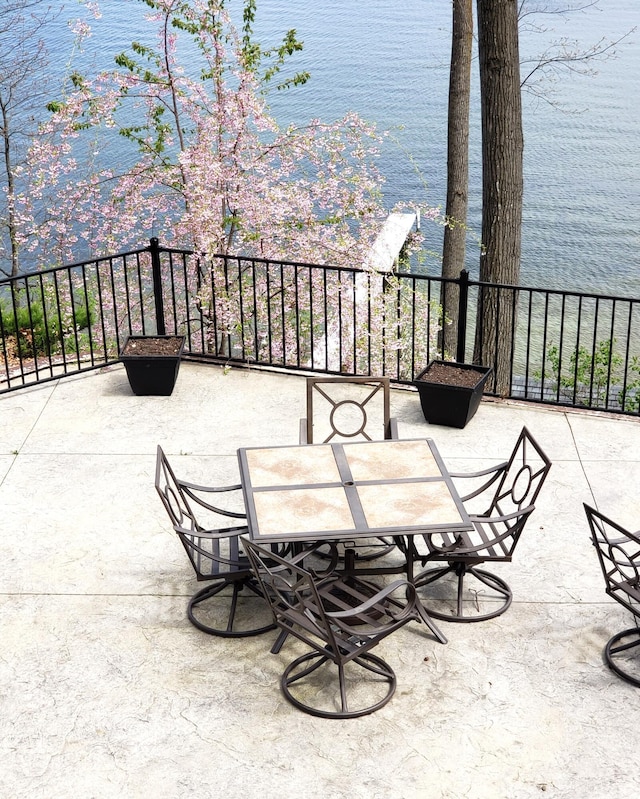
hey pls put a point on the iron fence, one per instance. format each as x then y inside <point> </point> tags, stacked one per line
<point>565,348</point>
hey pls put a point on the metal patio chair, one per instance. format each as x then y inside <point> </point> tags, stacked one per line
<point>350,409</point>
<point>619,555</point>
<point>341,619</point>
<point>347,408</point>
<point>216,554</point>
<point>499,505</point>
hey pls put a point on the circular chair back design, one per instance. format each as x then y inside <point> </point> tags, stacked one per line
<point>215,551</point>
<point>618,552</point>
<point>499,501</point>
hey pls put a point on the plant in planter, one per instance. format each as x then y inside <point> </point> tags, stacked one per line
<point>450,393</point>
<point>152,363</point>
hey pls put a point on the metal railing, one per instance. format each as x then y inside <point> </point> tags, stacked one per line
<point>564,348</point>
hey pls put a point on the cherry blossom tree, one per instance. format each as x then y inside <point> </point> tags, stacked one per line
<point>209,168</point>
<point>23,83</point>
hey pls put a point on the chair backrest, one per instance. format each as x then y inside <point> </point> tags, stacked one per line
<point>619,555</point>
<point>173,496</point>
<point>213,550</point>
<point>292,594</point>
<point>505,500</point>
<point>354,408</point>
<point>521,479</point>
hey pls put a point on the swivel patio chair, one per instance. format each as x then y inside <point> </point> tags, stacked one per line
<point>350,409</point>
<point>505,495</point>
<point>619,555</point>
<point>341,620</point>
<point>215,552</point>
<point>347,408</point>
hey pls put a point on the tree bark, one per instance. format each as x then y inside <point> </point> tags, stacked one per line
<point>502,182</point>
<point>455,232</point>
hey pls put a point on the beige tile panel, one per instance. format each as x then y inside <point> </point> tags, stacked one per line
<point>408,504</point>
<point>301,466</point>
<point>300,511</point>
<point>395,460</point>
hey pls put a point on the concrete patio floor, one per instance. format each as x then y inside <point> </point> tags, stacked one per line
<point>106,690</point>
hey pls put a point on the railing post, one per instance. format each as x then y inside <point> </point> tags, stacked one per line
<point>154,249</point>
<point>463,300</point>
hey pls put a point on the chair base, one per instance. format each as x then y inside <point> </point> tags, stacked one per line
<point>615,646</point>
<point>230,628</point>
<point>468,611</point>
<point>307,664</point>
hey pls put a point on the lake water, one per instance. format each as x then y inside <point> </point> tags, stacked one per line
<point>389,61</point>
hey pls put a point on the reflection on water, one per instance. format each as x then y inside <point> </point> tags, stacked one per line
<point>581,224</point>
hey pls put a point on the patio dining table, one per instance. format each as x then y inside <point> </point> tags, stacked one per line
<point>348,491</point>
<point>342,492</point>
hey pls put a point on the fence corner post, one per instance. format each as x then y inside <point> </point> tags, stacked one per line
<point>154,249</point>
<point>463,300</point>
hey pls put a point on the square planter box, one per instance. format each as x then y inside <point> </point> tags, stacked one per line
<point>152,363</point>
<point>447,402</point>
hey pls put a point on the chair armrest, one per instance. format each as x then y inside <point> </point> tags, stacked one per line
<point>459,548</point>
<point>493,473</point>
<point>505,517</point>
<point>190,490</point>
<point>481,472</point>
<point>190,539</point>
<point>208,489</point>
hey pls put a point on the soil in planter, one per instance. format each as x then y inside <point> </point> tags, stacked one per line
<point>450,375</point>
<point>153,346</point>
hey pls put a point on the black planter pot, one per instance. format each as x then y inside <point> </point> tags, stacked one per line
<point>450,404</point>
<point>152,363</point>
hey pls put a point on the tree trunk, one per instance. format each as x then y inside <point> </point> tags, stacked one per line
<point>502,182</point>
<point>457,165</point>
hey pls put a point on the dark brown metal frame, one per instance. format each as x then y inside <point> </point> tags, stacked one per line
<point>222,568</point>
<point>341,619</point>
<point>619,556</point>
<point>546,316</point>
<point>361,530</point>
<point>510,490</point>
<point>321,386</point>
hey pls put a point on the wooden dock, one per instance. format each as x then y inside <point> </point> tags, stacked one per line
<point>389,242</point>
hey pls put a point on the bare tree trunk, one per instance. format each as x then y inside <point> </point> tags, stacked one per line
<point>502,181</point>
<point>24,85</point>
<point>457,165</point>
<point>9,171</point>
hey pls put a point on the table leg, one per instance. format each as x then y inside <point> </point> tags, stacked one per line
<point>405,545</point>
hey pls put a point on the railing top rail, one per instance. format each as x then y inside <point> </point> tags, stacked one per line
<point>334,268</point>
<point>98,259</point>
<point>516,287</point>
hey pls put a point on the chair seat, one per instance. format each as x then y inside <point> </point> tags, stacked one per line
<point>340,618</point>
<point>461,591</point>
<point>215,552</point>
<point>618,553</point>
